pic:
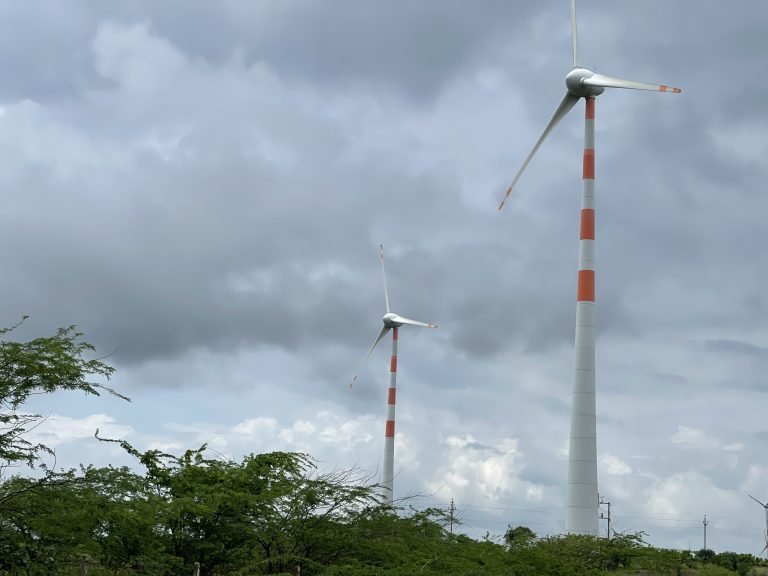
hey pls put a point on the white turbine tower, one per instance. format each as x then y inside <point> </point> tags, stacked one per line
<point>582,516</point>
<point>765,506</point>
<point>392,322</point>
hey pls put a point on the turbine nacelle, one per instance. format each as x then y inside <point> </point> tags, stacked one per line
<point>392,320</point>
<point>574,82</point>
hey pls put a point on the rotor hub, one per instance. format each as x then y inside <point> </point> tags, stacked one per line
<point>574,82</point>
<point>390,320</point>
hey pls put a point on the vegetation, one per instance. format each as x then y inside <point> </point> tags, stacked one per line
<point>270,513</point>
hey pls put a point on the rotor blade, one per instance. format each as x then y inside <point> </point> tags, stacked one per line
<point>756,500</point>
<point>384,275</point>
<point>381,335</point>
<point>574,35</point>
<point>610,82</point>
<point>568,102</point>
<point>403,320</point>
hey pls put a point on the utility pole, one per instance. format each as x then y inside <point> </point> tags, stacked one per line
<point>452,509</point>
<point>705,522</point>
<point>605,516</point>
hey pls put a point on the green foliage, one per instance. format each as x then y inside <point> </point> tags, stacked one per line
<point>41,366</point>
<point>273,512</point>
<point>519,536</point>
<point>705,555</point>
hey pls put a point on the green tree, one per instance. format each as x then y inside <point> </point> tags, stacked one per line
<point>520,535</point>
<point>270,512</point>
<point>705,555</point>
<point>41,366</point>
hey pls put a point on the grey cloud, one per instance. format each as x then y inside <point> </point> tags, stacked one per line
<point>738,347</point>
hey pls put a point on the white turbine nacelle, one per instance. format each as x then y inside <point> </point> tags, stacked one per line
<point>392,320</point>
<point>574,82</point>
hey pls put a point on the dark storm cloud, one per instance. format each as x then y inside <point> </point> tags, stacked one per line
<point>161,244</point>
<point>154,273</point>
<point>411,49</point>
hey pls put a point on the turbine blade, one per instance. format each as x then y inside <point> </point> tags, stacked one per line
<point>758,501</point>
<point>568,102</point>
<point>384,275</point>
<point>604,81</point>
<point>574,35</point>
<point>403,320</point>
<point>381,335</point>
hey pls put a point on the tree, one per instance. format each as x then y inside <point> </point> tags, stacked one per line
<point>40,366</point>
<point>705,555</point>
<point>269,513</point>
<point>519,535</point>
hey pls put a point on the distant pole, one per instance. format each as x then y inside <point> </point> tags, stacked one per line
<point>197,569</point>
<point>608,516</point>
<point>452,510</point>
<point>84,565</point>
<point>705,522</point>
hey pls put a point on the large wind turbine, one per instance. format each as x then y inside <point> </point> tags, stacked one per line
<point>580,83</point>
<point>765,548</point>
<point>392,322</point>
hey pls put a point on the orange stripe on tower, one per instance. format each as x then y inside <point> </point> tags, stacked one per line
<point>589,164</point>
<point>394,333</point>
<point>389,432</point>
<point>391,395</point>
<point>586,286</point>
<point>590,113</point>
<point>393,364</point>
<point>587,224</point>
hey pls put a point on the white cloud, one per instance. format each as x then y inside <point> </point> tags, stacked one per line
<point>477,472</point>
<point>256,427</point>
<point>689,494</point>
<point>56,430</point>
<point>694,439</point>
<point>614,466</point>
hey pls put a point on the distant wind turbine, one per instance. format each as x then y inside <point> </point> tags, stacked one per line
<point>580,83</point>
<point>392,322</point>
<point>765,506</point>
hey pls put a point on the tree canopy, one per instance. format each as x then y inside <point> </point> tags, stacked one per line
<point>43,365</point>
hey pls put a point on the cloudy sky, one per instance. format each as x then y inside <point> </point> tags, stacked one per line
<point>202,188</point>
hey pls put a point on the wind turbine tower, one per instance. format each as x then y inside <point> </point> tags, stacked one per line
<point>765,506</point>
<point>392,322</point>
<point>582,515</point>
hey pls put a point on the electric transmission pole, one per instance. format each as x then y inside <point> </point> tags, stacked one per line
<point>452,509</point>
<point>705,522</point>
<point>604,515</point>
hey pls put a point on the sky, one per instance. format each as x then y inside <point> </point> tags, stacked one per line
<point>202,189</point>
